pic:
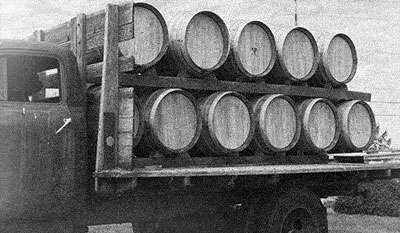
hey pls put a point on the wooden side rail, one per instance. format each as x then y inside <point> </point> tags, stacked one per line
<point>126,79</point>
<point>245,170</point>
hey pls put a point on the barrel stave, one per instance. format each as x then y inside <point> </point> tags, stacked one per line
<point>172,121</point>
<point>357,126</point>
<point>297,55</point>
<point>277,125</point>
<point>338,60</point>
<point>252,52</point>
<point>320,125</point>
<point>145,39</point>
<point>199,44</point>
<point>228,125</point>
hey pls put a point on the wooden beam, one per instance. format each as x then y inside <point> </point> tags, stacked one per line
<point>60,33</point>
<point>183,161</point>
<point>127,79</point>
<point>3,78</point>
<point>108,124</point>
<point>245,170</point>
<point>373,157</point>
<point>39,35</point>
<point>80,44</point>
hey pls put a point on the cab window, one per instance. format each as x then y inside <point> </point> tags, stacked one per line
<point>26,78</point>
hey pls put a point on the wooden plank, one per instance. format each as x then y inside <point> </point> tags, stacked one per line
<point>38,35</point>
<point>217,85</point>
<point>80,44</point>
<point>370,157</point>
<point>186,161</point>
<point>108,125</point>
<point>3,78</point>
<point>244,170</point>
<point>356,154</point>
<point>94,71</point>
<point>96,40</point>
<point>96,20</point>
<point>60,33</point>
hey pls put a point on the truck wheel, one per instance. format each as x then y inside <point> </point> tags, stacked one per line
<point>292,210</point>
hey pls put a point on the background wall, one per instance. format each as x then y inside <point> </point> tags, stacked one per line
<point>373,25</point>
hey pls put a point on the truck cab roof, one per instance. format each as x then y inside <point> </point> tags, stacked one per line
<point>8,44</point>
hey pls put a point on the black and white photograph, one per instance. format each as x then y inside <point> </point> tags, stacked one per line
<point>199,116</point>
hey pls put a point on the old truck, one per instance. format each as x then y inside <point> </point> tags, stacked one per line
<point>67,162</point>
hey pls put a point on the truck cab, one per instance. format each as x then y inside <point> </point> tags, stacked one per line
<point>42,131</point>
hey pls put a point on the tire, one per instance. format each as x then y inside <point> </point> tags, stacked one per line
<point>292,210</point>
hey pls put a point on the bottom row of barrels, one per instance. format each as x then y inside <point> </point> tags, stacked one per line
<point>173,121</point>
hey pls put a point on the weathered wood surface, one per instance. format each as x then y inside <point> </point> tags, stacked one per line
<point>277,124</point>
<point>60,34</point>
<point>371,157</point>
<point>297,54</point>
<point>79,45</point>
<point>338,59</point>
<point>130,122</point>
<point>199,44</point>
<point>3,79</point>
<point>255,169</point>
<point>142,34</point>
<point>228,125</point>
<point>252,54</point>
<point>256,88</point>
<point>107,138</point>
<point>357,123</point>
<point>172,121</point>
<point>216,85</point>
<point>320,127</point>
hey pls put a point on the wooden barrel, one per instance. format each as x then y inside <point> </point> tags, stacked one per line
<point>357,126</point>
<point>297,54</point>
<point>252,54</point>
<point>172,121</point>
<point>146,43</point>
<point>320,126</point>
<point>228,125</point>
<point>338,59</point>
<point>277,125</point>
<point>130,121</point>
<point>199,44</point>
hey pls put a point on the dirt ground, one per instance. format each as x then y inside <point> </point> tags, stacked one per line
<point>338,223</point>
<point>342,223</point>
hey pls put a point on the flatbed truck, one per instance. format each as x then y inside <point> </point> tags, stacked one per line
<point>52,182</point>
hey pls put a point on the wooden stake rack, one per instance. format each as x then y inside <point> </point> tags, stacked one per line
<point>117,71</point>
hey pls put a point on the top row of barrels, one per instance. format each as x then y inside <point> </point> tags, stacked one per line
<point>201,43</point>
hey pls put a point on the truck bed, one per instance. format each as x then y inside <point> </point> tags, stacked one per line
<point>389,162</point>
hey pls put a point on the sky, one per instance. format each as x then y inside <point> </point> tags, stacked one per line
<point>19,18</point>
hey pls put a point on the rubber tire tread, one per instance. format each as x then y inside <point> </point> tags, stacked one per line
<point>271,212</point>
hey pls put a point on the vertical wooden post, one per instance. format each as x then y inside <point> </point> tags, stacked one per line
<point>108,123</point>
<point>39,35</point>
<point>79,44</point>
<point>3,79</point>
<point>78,47</point>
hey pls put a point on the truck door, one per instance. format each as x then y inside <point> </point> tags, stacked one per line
<point>36,161</point>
